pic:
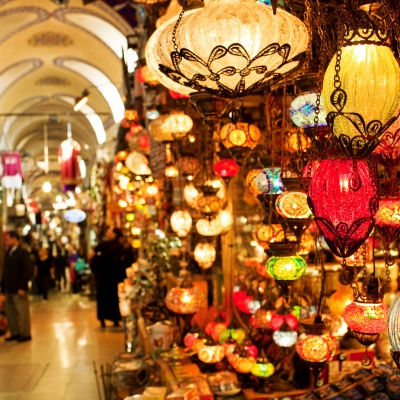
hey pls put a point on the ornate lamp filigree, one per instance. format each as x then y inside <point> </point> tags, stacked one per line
<point>361,87</point>
<point>245,49</point>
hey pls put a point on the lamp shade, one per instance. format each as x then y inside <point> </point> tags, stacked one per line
<point>240,134</point>
<point>251,181</point>
<point>226,220</point>
<point>293,205</point>
<point>190,194</point>
<point>343,198</point>
<point>366,317</point>
<point>204,254</point>
<point>170,126</point>
<point>237,48</point>
<point>285,338</point>
<point>387,219</point>
<point>277,321</point>
<point>369,91</point>
<point>316,348</point>
<point>264,234</point>
<point>184,300</point>
<point>209,227</point>
<point>181,222</point>
<point>302,110</point>
<point>269,181</point>
<point>226,168</point>
<point>287,268</point>
<point>261,319</point>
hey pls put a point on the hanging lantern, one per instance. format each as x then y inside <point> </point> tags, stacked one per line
<point>226,168</point>
<point>152,190</point>
<point>170,126</point>
<point>121,156</point>
<point>177,95</point>
<point>208,202</point>
<point>251,181</point>
<point>250,348</point>
<point>152,113</point>
<point>181,222</point>
<point>285,338</point>
<point>269,181</point>
<point>359,117</point>
<point>343,198</point>
<point>281,318</point>
<point>227,63</point>
<point>316,348</point>
<point>264,234</point>
<point>296,141</point>
<point>215,328</point>
<point>394,330</point>
<point>286,269</point>
<point>171,171</point>
<point>204,254</point>
<point>211,352</point>
<point>185,299</point>
<point>144,75</point>
<point>209,227</point>
<point>190,194</point>
<point>240,138</point>
<point>137,163</point>
<point>293,205</point>
<point>302,110</point>
<point>188,167</point>
<point>261,319</point>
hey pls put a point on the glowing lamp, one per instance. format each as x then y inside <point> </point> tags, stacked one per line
<point>211,353</point>
<point>190,194</point>
<point>286,269</point>
<point>121,156</point>
<point>316,348</point>
<point>285,338</point>
<point>171,171</point>
<point>240,136</point>
<point>262,368</point>
<point>296,142</point>
<point>122,203</point>
<point>184,300</point>
<point>251,182</point>
<point>170,126</point>
<point>387,219</point>
<point>269,181</point>
<point>244,362</point>
<point>293,205</point>
<point>130,217</point>
<point>367,63</point>
<point>181,222</point>
<point>226,168</point>
<point>152,113</point>
<point>343,198</point>
<point>226,220</point>
<point>204,254</point>
<point>366,317</point>
<point>237,334</point>
<point>152,190</point>
<point>278,320</point>
<point>177,95</point>
<point>209,227</point>
<point>227,63</point>
<point>264,234</point>
<point>144,75</point>
<point>208,202</point>
<point>250,348</point>
<point>302,110</point>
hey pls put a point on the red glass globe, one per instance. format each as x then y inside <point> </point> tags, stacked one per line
<point>343,197</point>
<point>177,95</point>
<point>226,168</point>
<point>366,317</point>
<point>316,348</point>
<point>278,320</point>
<point>387,219</point>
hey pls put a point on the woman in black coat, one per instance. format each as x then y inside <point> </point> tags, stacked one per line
<point>107,266</point>
<point>44,266</point>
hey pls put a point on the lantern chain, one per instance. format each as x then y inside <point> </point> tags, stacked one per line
<point>185,4</point>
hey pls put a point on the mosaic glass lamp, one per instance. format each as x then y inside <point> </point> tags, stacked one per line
<point>251,182</point>
<point>265,233</point>
<point>293,205</point>
<point>262,369</point>
<point>170,126</point>
<point>269,181</point>
<point>302,111</point>
<point>211,352</point>
<point>226,168</point>
<point>244,362</point>
<point>285,270</point>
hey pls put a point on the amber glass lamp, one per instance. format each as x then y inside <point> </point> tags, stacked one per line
<point>204,254</point>
<point>181,222</point>
<point>171,171</point>
<point>170,126</point>
<point>211,352</point>
<point>209,227</point>
<point>144,75</point>
<point>265,233</point>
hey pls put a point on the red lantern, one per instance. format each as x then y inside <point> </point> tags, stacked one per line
<point>144,142</point>
<point>277,321</point>
<point>226,168</point>
<point>388,219</point>
<point>214,329</point>
<point>343,197</point>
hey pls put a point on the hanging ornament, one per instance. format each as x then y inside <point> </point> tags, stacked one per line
<point>211,352</point>
<point>209,227</point>
<point>226,168</point>
<point>303,111</point>
<point>358,118</point>
<point>181,222</point>
<point>343,198</point>
<point>227,63</point>
<point>263,369</point>
<point>205,254</point>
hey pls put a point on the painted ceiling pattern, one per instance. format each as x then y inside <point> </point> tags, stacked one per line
<point>37,89</point>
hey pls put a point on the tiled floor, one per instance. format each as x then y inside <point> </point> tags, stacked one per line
<point>58,363</point>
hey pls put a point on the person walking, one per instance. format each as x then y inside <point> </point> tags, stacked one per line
<point>107,267</point>
<point>44,265</point>
<point>17,273</point>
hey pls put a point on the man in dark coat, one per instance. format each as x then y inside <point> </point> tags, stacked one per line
<point>17,273</point>
<point>107,266</point>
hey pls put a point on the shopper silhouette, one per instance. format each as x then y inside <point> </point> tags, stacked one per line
<point>18,271</point>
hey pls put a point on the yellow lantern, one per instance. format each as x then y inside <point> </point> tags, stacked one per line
<point>209,227</point>
<point>171,171</point>
<point>251,181</point>
<point>170,126</point>
<point>181,222</point>
<point>204,254</point>
<point>240,134</point>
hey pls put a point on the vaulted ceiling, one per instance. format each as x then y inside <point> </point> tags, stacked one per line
<point>50,53</point>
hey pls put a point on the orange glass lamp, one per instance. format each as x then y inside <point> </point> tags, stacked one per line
<point>145,76</point>
<point>265,233</point>
<point>171,171</point>
<point>261,319</point>
<point>251,182</point>
<point>209,227</point>
<point>262,369</point>
<point>211,352</point>
<point>184,299</point>
<point>367,317</point>
<point>215,328</point>
<point>244,362</point>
